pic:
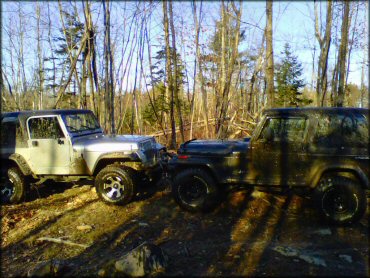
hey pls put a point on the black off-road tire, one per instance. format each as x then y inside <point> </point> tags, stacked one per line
<point>340,200</point>
<point>115,185</point>
<point>13,186</point>
<point>195,190</point>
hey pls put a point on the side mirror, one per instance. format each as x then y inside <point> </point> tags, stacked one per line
<point>268,134</point>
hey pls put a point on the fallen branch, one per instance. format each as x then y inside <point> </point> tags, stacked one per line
<point>59,240</point>
<point>248,122</point>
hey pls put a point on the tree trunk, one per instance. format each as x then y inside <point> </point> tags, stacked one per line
<point>354,32</point>
<point>40,59</point>
<point>343,51</point>
<point>169,87</point>
<point>269,56</point>
<point>90,42</point>
<point>70,47</point>
<point>229,73</point>
<point>254,77</point>
<point>221,86</point>
<point>176,73</point>
<point>200,70</point>
<point>73,66</point>
<point>108,69</point>
<point>322,79</point>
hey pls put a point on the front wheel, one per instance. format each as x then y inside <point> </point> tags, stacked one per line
<point>340,200</point>
<point>195,190</point>
<point>114,185</point>
<point>13,186</point>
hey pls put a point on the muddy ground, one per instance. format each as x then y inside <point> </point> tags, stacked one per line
<point>251,233</point>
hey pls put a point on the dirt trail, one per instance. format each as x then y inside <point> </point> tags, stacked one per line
<point>249,234</point>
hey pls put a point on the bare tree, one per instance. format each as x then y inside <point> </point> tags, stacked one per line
<point>228,70</point>
<point>108,69</point>
<point>73,66</point>
<point>342,57</point>
<point>269,56</point>
<point>324,43</point>
<point>198,62</point>
<point>169,86</point>
<point>40,58</point>
<point>176,73</point>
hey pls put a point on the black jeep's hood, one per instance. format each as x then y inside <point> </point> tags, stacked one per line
<point>213,147</point>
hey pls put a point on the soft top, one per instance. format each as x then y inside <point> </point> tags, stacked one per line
<point>307,110</point>
<point>28,113</point>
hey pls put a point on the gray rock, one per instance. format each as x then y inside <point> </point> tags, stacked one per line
<point>291,252</point>
<point>346,258</point>
<point>323,232</point>
<point>146,259</point>
<point>47,268</point>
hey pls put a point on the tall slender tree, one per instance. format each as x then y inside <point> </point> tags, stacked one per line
<point>169,85</point>
<point>269,56</point>
<point>342,56</point>
<point>324,43</point>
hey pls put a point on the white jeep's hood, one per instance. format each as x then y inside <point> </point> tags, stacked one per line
<point>108,143</point>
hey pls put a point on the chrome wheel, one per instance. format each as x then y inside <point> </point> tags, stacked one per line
<point>7,190</point>
<point>114,187</point>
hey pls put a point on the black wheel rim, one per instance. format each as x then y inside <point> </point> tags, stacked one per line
<point>114,187</point>
<point>338,204</point>
<point>7,190</point>
<point>193,192</point>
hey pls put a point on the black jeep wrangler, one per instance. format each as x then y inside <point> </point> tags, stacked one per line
<point>317,152</point>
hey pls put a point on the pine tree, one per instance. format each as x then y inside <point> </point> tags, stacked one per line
<point>67,43</point>
<point>289,80</point>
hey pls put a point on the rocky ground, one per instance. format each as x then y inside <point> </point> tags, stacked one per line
<point>251,233</point>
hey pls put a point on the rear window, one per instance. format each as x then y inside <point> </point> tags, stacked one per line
<point>11,133</point>
<point>347,130</point>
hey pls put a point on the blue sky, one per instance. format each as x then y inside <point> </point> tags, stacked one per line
<point>292,22</point>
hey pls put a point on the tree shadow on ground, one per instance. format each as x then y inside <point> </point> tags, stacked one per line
<point>236,239</point>
<point>49,188</point>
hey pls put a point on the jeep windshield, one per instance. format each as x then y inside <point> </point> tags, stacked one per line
<point>81,124</point>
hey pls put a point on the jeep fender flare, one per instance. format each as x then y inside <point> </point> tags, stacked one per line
<point>21,163</point>
<point>110,158</point>
<point>206,166</point>
<point>346,170</point>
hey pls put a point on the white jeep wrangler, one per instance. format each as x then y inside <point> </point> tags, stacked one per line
<point>69,145</point>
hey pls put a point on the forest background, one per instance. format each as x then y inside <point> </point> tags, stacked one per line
<point>183,70</point>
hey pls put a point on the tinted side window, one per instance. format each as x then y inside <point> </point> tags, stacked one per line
<point>45,128</point>
<point>345,130</point>
<point>8,134</point>
<point>286,129</point>
<point>360,136</point>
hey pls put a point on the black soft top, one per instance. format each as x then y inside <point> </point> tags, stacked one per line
<point>28,113</point>
<point>315,110</point>
<point>24,115</point>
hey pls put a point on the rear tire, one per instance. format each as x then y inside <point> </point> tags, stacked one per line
<point>13,186</point>
<point>340,200</point>
<point>114,185</point>
<point>195,190</point>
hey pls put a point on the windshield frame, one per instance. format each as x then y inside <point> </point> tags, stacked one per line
<point>81,132</point>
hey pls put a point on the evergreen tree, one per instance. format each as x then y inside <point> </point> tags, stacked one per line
<point>289,80</point>
<point>162,102</point>
<point>67,44</point>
